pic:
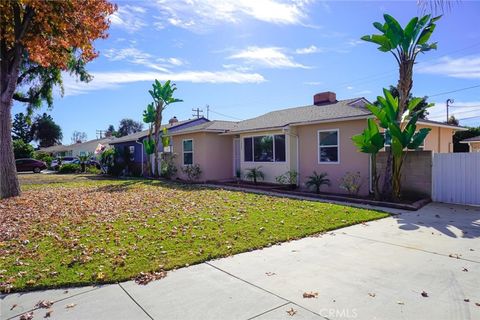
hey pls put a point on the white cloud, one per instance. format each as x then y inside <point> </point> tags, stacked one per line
<point>466,67</point>
<point>459,109</point>
<point>314,83</point>
<point>136,56</point>
<point>199,14</point>
<point>349,87</point>
<point>109,80</point>
<point>270,57</point>
<point>355,42</point>
<point>309,50</point>
<point>129,17</point>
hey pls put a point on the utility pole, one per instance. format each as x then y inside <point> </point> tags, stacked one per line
<point>208,112</point>
<point>197,112</point>
<point>100,133</point>
<point>449,102</point>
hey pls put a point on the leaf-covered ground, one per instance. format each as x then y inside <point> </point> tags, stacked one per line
<point>75,230</point>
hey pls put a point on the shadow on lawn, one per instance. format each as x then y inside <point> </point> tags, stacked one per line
<point>455,221</point>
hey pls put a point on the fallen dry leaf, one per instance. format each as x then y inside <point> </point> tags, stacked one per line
<point>371,294</point>
<point>48,314</point>
<point>400,303</point>
<point>145,278</point>
<point>455,255</point>
<point>27,316</point>
<point>270,273</point>
<point>477,304</point>
<point>424,294</point>
<point>291,312</point>
<point>69,306</point>
<point>466,300</point>
<point>13,306</point>
<point>310,294</point>
<point>44,304</point>
<point>465,270</point>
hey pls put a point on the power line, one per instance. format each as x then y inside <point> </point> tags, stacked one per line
<point>225,115</point>
<point>453,91</point>
<point>385,74</point>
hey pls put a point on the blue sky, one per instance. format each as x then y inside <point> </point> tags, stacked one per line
<point>248,57</point>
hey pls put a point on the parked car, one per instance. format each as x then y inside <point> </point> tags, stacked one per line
<point>30,165</point>
<point>63,160</point>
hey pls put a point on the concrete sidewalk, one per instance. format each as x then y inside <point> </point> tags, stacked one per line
<point>376,270</point>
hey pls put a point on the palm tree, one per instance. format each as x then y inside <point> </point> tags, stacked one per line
<point>83,159</point>
<point>254,174</point>
<point>162,96</point>
<point>317,181</point>
<point>404,44</point>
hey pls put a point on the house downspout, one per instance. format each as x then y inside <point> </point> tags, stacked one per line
<point>289,132</point>
<point>137,142</point>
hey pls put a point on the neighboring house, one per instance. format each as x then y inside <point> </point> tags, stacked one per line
<point>311,138</point>
<point>473,144</point>
<point>133,143</point>
<point>76,149</point>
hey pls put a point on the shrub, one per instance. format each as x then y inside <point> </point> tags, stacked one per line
<point>69,168</point>
<point>22,149</point>
<point>289,177</point>
<point>167,167</point>
<point>254,174</point>
<point>45,157</point>
<point>193,172</point>
<point>351,182</point>
<point>93,170</point>
<point>317,181</point>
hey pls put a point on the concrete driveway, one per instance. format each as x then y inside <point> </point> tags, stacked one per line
<point>377,270</point>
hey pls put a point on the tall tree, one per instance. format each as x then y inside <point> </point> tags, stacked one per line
<point>46,132</point>
<point>38,40</point>
<point>404,44</point>
<point>129,126</point>
<point>111,132</point>
<point>162,97</point>
<point>78,136</point>
<point>21,128</point>
<point>453,121</point>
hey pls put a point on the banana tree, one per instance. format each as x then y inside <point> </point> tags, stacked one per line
<point>405,44</point>
<point>149,142</point>
<point>162,97</point>
<point>404,134</point>
<point>371,141</point>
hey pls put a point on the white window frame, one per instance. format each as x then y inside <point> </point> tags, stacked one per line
<point>242,156</point>
<point>131,150</point>
<point>337,145</point>
<point>183,153</point>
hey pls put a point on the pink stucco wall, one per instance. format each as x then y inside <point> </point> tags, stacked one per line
<point>350,159</point>
<point>211,151</point>
<point>439,140</point>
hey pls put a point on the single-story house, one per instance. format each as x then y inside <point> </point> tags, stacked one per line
<point>304,139</point>
<point>133,143</point>
<point>76,149</point>
<point>473,143</point>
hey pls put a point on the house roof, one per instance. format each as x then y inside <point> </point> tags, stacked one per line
<point>88,145</point>
<point>142,134</point>
<point>441,124</point>
<point>343,109</point>
<point>474,139</point>
<point>217,126</point>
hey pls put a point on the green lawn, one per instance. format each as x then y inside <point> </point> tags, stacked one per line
<point>76,230</point>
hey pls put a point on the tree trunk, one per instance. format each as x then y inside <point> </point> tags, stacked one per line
<point>9,186</point>
<point>404,86</point>
<point>376,191</point>
<point>158,123</point>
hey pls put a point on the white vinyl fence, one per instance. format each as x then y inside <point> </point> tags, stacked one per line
<point>456,178</point>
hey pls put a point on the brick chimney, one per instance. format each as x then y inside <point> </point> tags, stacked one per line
<point>324,98</point>
<point>172,121</point>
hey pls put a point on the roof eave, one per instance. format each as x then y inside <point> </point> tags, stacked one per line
<point>442,125</point>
